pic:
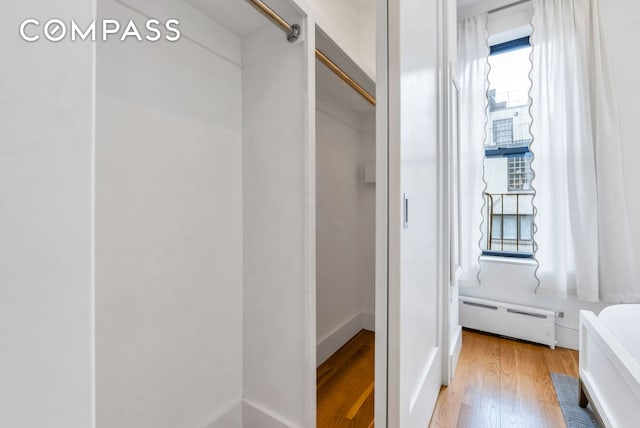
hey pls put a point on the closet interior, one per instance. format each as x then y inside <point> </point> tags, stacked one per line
<point>345,238</point>
<point>205,230</point>
<point>202,218</point>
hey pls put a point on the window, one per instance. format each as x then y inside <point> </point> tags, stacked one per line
<point>511,234</point>
<point>503,131</point>
<point>519,172</point>
<point>508,216</point>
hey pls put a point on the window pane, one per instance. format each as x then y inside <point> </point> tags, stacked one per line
<point>509,120</point>
<point>508,213</point>
<point>510,227</point>
<point>503,131</point>
<point>519,172</point>
<point>526,228</point>
<point>496,228</point>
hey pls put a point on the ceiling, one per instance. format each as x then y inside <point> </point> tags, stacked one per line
<point>467,2</point>
<point>239,16</point>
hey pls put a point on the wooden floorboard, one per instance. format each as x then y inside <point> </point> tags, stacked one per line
<point>345,386</point>
<point>498,383</point>
<point>503,383</point>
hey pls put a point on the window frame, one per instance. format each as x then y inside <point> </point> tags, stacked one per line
<point>511,45</point>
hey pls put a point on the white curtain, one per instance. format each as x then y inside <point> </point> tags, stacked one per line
<point>582,225</point>
<point>473,70</point>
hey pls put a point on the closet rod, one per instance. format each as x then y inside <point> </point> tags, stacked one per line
<point>293,34</point>
<point>344,76</point>
<point>292,31</point>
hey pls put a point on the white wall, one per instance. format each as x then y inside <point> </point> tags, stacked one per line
<point>278,229</point>
<point>168,226</point>
<point>345,225</point>
<point>514,281</point>
<point>467,8</point>
<point>367,40</point>
<point>351,24</point>
<point>368,220</point>
<point>46,280</point>
<point>621,20</point>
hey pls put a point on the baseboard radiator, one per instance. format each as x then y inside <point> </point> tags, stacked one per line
<point>520,322</point>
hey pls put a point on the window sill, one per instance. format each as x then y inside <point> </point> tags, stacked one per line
<point>508,260</point>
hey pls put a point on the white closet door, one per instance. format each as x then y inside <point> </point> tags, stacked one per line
<point>415,240</point>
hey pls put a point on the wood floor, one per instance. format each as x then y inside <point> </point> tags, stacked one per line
<point>345,385</point>
<point>503,383</point>
<point>498,383</point>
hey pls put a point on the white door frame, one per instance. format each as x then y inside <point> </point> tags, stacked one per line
<point>382,216</point>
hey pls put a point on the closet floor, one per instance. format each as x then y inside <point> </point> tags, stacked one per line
<point>503,383</point>
<point>345,385</point>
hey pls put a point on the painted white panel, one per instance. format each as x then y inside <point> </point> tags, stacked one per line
<point>278,225</point>
<point>168,232</point>
<point>46,257</point>
<point>415,317</point>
